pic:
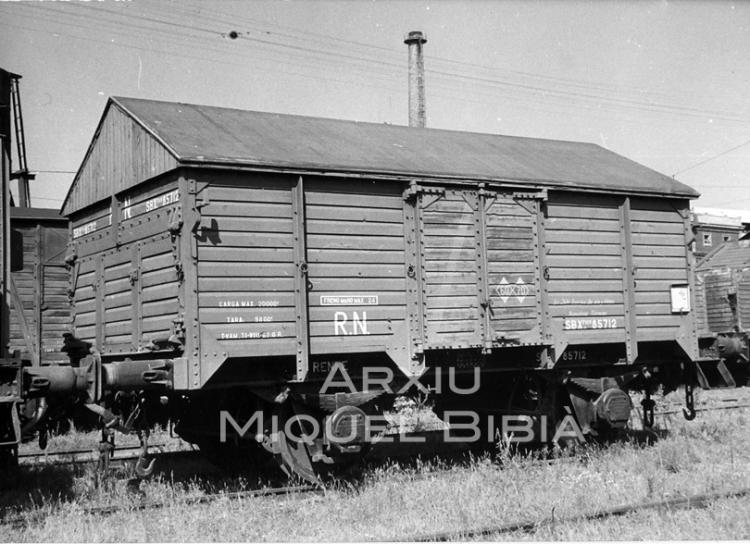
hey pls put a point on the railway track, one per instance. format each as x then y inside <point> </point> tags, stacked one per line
<point>530,526</point>
<point>527,526</point>
<point>90,455</point>
<point>22,520</point>
<point>127,453</point>
<point>737,406</point>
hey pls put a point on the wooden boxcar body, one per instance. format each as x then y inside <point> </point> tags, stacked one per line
<point>259,250</point>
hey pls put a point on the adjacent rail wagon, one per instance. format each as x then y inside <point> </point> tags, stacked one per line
<point>40,310</point>
<point>723,314</point>
<point>237,262</point>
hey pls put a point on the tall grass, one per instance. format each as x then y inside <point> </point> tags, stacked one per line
<point>395,499</point>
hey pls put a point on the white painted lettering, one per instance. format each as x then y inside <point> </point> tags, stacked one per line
<point>361,323</point>
<point>339,320</point>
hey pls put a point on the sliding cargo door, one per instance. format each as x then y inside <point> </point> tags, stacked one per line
<point>479,268</point>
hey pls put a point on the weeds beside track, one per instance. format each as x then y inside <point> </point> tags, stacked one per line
<point>106,510</point>
<point>695,501</point>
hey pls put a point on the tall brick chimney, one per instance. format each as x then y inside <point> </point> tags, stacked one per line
<point>415,39</point>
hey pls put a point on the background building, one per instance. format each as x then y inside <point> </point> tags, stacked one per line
<point>713,227</point>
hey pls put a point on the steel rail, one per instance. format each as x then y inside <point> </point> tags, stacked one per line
<point>693,501</point>
<point>704,409</point>
<point>46,453</point>
<point>85,456</point>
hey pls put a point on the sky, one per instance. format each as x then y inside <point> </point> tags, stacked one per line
<point>662,83</point>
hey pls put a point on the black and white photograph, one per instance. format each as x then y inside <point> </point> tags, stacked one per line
<point>374,270</point>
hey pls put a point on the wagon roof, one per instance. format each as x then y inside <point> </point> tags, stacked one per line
<point>37,214</point>
<point>207,135</point>
<point>734,255</point>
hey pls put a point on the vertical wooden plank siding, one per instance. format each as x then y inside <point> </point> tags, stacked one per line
<point>122,153</point>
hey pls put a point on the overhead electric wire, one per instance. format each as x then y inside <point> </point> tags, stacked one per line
<point>208,47</point>
<point>462,97</point>
<point>525,101</point>
<point>450,85</point>
<point>293,33</point>
<point>193,57</point>
<point>701,163</point>
<point>546,94</point>
<point>443,81</point>
<point>572,82</point>
<point>612,101</point>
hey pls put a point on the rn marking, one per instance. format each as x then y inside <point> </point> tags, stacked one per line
<point>343,326</point>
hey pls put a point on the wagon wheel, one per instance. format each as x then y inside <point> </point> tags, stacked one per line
<point>527,398</point>
<point>291,452</point>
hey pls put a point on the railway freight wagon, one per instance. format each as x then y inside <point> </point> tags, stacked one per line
<point>723,315</point>
<point>40,312</point>
<point>302,272</point>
